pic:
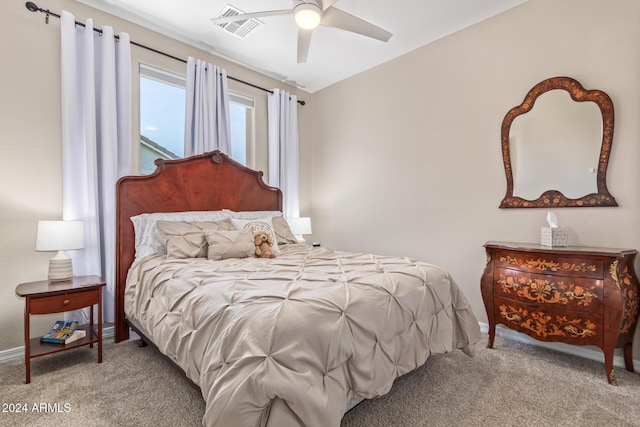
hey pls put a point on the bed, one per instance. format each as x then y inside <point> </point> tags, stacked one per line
<point>287,341</point>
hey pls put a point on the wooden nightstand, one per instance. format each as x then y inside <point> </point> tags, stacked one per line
<point>46,297</point>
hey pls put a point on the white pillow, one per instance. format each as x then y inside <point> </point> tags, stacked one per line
<point>149,240</point>
<point>252,214</point>
<point>255,225</point>
<point>281,228</point>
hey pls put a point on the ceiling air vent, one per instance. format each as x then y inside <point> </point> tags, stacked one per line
<point>239,29</point>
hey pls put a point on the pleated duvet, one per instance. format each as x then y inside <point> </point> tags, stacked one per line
<point>289,341</point>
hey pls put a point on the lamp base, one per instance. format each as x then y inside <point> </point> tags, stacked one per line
<point>60,269</point>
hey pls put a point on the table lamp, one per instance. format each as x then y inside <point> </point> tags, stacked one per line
<point>60,236</point>
<point>300,226</point>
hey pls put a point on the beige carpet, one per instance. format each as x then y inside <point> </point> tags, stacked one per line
<point>512,385</point>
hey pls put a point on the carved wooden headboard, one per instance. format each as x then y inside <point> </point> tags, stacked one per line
<point>208,182</point>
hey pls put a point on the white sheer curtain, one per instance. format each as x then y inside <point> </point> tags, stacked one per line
<point>96,142</point>
<point>283,148</point>
<point>207,125</point>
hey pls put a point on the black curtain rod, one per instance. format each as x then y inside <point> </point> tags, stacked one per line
<point>34,8</point>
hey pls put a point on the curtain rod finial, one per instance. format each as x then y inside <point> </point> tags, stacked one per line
<point>32,6</point>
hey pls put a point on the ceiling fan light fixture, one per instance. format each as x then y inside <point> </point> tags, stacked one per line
<point>307,15</point>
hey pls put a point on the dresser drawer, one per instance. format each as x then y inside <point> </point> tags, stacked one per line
<point>550,264</point>
<point>547,324</point>
<point>563,292</point>
<point>64,302</point>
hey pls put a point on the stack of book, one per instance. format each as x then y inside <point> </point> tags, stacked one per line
<point>63,332</point>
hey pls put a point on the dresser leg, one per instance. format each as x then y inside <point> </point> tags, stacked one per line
<point>608,367</point>
<point>492,336</point>
<point>628,356</point>
<point>612,377</point>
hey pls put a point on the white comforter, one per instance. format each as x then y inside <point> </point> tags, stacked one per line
<point>289,341</point>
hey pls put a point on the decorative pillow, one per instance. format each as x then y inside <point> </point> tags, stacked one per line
<point>254,225</point>
<point>283,231</point>
<point>230,244</point>
<point>149,240</point>
<point>280,225</point>
<point>185,239</point>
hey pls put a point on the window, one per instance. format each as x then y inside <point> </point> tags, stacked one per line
<point>241,118</point>
<point>162,105</point>
<point>162,115</point>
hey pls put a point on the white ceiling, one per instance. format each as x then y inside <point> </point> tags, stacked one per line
<point>334,54</point>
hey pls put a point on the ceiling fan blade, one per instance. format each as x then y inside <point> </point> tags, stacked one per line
<point>304,40</point>
<point>326,4</point>
<point>336,18</point>
<point>245,16</point>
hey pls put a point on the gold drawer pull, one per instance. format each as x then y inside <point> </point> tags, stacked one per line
<point>65,302</point>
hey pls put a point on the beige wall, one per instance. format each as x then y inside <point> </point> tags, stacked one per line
<point>30,163</point>
<point>407,160</point>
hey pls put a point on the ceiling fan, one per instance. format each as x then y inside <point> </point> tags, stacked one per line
<point>308,14</point>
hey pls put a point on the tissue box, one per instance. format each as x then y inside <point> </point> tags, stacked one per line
<point>556,236</point>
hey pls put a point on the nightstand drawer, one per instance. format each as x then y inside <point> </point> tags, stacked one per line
<point>64,302</point>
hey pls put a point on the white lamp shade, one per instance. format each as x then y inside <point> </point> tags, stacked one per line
<point>307,15</point>
<point>300,226</point>
<point>60,235</point>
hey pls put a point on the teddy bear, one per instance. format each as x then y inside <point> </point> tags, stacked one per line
<point>263,243</point>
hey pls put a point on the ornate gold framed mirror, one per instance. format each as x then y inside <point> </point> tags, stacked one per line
<point>556,145</point>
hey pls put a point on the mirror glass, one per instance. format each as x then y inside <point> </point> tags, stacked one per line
<point>556,147</point>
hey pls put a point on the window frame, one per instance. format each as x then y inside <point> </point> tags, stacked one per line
<point>176,79</point>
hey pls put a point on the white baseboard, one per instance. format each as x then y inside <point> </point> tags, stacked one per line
<point>14,353</point>
<point>585,352</point>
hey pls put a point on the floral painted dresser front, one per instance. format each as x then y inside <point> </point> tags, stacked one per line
<point>576,295</point>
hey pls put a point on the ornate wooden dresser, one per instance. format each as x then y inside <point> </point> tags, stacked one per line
<point>575,295</point>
